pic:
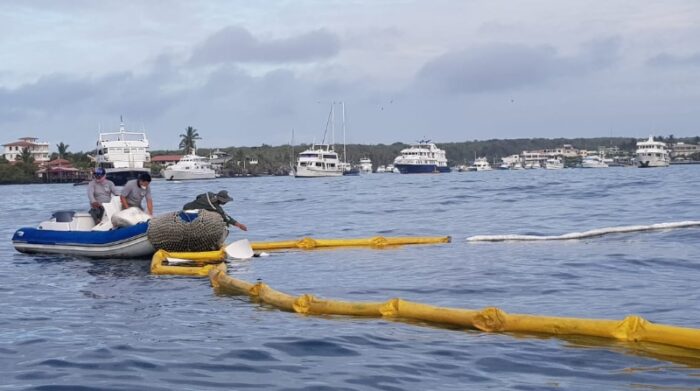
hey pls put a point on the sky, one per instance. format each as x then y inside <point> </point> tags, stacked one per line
<point>244,73</point>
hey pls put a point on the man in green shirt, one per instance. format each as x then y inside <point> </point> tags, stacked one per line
<point>213,202</point>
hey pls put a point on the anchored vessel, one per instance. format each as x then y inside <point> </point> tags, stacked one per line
<point>482,164</point>
<point>318,161</point>
<point>554,164</point>
<point>124,155</point>
<point>652,153</point>
<point>593,161</point>
<point>421,158</point>
<point>190,167</point>
<point>365,166</point>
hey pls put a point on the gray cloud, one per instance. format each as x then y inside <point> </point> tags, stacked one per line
<point>235,44</point>
<point>670,60</point>
<point>500,67</point>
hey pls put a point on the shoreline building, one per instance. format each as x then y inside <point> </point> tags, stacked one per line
<point>39,150</point>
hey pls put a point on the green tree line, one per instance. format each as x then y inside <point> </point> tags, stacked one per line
<point>276,160</point>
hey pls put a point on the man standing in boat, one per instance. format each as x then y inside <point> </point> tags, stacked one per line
<point>135,191</point>
<point>100,191</point>
<point>213,202</point>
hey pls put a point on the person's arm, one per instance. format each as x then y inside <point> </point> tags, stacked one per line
<point>149,205</point>
<point>125,205</point>
<point>114,188</point>
<point>91,195</point>
<point>240,226</point>
<point>125,193</point>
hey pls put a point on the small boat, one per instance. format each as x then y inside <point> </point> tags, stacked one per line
<point>512,162</point>
<point>381,169</point>
<point>190,167</point>
<point>553,164</point>
<point>75,233</point>
<point>652,153</point>
<point>421,158</point>
<point>481,164</point>
<point>349,169</point>
<point>593,161</point>
<point>365,165</point>
<point>465,168</point>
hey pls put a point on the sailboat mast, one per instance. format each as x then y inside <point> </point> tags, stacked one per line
<point>345,152</point>
<point>333,125</point>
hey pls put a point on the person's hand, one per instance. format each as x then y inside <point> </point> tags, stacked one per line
<point>95,204</point>
<point>242,227</point>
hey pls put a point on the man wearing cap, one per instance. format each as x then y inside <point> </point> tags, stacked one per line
<point>213,202</point>
<point>100,191</point>
<point>135,191</point>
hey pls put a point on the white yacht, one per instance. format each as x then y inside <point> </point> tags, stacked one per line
<point>652,153</point>
<point>421,158</point>
<point>593,161</point>
<point>381,169</point>
<point>318,161</point>
<point>190,167</point>
<point>365,165</point>
<point>482,164</point>
<point>554,164</point>
<point>512,162</point>
<point>124,155</point>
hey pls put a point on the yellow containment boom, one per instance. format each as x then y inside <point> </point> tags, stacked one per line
<point>375,242</point>
<point>632,328</point>
<point>195,264</point>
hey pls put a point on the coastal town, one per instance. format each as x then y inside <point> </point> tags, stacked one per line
<point>29,159</point>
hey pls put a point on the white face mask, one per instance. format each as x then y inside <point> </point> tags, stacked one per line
<point>144,187</point>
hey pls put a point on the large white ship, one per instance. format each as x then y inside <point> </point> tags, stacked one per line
<point>124,155</point>
<point>652,153</point>
<point>421,158</point>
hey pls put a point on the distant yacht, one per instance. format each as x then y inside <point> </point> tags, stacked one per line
<point>318,161</point>
<point>421,158</point>
<point>321,160</point>
<point>554,164</point>
<point>365,165</point>
<point>482,164</point>
<point>652,153</point>
<point>593,161</point>
<point>124,155</point>
<point>190,167</point>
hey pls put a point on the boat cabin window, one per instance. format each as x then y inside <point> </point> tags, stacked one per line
<point>329,156</point>
<point>318,164</point>
<point>303,164</point>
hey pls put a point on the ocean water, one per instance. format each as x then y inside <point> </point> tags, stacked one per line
<point>69,323</point>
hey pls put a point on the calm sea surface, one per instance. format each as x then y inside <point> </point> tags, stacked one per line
<point>69,323</point>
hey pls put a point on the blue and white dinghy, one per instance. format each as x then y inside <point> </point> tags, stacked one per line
<point>120,234</point>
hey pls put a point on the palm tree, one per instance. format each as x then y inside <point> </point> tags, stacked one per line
<point>189,139</point>
<point>62,149</point>
<point>25,156</point>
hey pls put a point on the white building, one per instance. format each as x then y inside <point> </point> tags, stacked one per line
<point>683,150</point>
<point>40,151</point>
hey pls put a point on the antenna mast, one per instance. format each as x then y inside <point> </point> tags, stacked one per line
<point>345,153</point>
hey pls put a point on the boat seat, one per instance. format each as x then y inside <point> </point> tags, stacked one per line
<point>63,216</point>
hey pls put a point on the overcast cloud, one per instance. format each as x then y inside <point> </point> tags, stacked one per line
<point>246,73</point>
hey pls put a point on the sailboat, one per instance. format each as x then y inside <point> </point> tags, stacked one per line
<point>321,160</point>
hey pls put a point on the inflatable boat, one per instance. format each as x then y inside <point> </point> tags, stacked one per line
<point>120,234</point>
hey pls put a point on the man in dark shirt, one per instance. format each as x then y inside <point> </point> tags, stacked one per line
<point>213,202</point>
